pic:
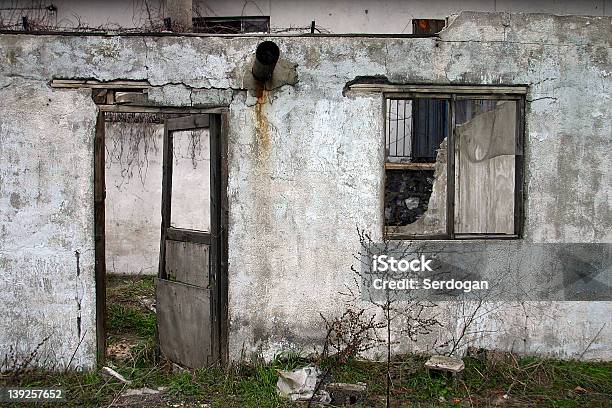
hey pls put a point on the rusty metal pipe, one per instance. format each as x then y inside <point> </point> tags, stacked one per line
<point>266,56</point>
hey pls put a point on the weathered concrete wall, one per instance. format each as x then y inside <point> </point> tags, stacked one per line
<point>305,162</point>
<point>47,285</point>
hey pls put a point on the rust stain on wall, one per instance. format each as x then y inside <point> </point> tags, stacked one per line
<point>261,123</point>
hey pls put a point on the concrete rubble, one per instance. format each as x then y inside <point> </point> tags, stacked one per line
<point>139,391</point>
<point>445,363</point>
<point>346,394</point>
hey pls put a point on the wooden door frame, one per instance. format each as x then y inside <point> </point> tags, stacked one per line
<point>220,306</point>
<point>100,237</point>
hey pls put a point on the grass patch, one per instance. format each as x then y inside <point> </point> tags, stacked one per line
<point>124,319</point>
<point>529,382</point>
<point>526,381</point>
<point>131,320</point>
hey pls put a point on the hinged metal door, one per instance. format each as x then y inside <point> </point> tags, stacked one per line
<point>190,248</point>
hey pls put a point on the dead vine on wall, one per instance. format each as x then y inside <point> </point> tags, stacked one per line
<point>130,139</point>
<point>133,139</point>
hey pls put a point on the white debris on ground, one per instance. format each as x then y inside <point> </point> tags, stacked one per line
<point>148,303</point>
<point>139,391</point>
<point>300,384</point>
<point>445,363</point>
<point>109,372</point>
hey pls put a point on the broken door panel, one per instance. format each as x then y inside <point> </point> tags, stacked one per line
<point>182,313</point>
<point>187,262</point>
<point>189,239</point>
<point>486,137</point>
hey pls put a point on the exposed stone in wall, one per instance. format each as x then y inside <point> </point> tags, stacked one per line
<point>407,195</point>
<point>429,217</point>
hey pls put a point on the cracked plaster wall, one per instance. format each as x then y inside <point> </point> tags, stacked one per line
<point>305,162</point>
<point>46,225</point>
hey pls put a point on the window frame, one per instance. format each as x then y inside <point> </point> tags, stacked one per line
<point>200,24</point>
<point>453,94</point>
<point>434,26</point>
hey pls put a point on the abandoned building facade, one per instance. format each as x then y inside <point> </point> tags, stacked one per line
<point>495,131</point>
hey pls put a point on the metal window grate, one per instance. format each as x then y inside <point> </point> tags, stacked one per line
<point>399,129</point>
<point>415,128</point>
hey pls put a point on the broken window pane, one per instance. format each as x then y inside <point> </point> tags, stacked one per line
<point>217,26</point>
<point>486,132</point>
<point>415,193</point>
<point>190,201</point>
<point>486,143</point>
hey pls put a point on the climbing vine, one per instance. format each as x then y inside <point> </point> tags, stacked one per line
<point>134,139</point>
